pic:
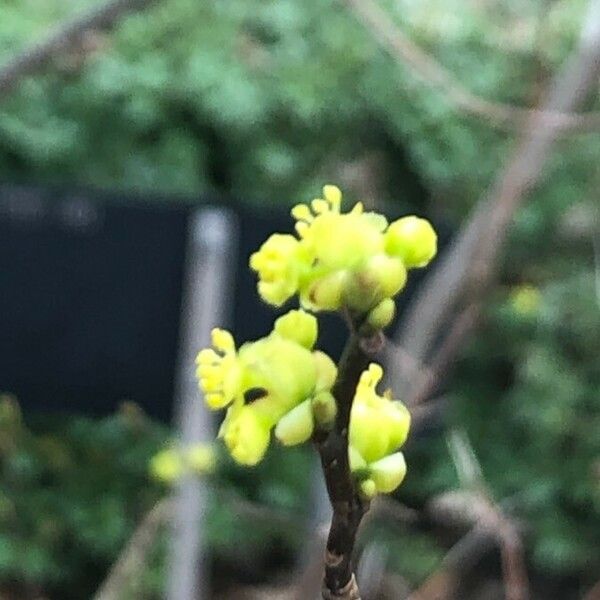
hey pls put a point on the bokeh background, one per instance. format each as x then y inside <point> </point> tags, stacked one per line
<point>113,136</point>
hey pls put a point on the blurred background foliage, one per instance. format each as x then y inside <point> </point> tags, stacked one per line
<point>265,101</point>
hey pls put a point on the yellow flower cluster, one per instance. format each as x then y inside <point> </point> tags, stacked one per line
<point>263,381</point>
<point>378,427</point>
<point>170,464</point>
<point>351,260</point>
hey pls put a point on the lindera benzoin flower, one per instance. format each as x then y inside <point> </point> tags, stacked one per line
<point>353,262</point>
<point>264,381</point>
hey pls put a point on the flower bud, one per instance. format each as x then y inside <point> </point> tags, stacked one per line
<point>381,277</point>
<point>296,426</point>
<point>368,488</point>
<point>413,240</point>
<point>398,424</point>
<point>357,462</point>
<point>245,436</point>
<point>382,315</point>
<point>298,326</point>
<point>324,293</point>
<point>388,472</point>
<point>324,409</point>
<point>326,371</point>
<point>167,465</point>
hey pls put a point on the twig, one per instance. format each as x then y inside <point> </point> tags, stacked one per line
<point>459,330</point>
<point>470,262</point>
<point>134,555</point>
<point>61,39</point>
<point>594,593</point>
<point>433,74</point>
<point>492,517</point>
<point>348,507</point>
<point>441,584</point>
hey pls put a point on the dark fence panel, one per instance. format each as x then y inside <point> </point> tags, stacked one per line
<point>90,292</point>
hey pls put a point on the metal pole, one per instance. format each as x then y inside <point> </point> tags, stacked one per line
<point>211,247</point>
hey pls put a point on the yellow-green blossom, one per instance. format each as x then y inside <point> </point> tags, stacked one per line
<point>378,427</point>
<point>170,464</point>
<point>278,265</point>
<point>167,465</point>
<point>413,240</point>
<point>263,381</point>
<point>340,260</point>
<point>525,300</point>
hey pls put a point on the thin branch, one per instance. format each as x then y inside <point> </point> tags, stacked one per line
<point>64,37</point>
<point>348,507</point>
<point>134,555</point>
<point>450,346</point>
<point>594,593</point>
<point>430,72</point>
<point>469,264</point>
<point>442,583</point>
<point>492,517</point>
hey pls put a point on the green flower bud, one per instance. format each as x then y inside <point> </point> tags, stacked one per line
<point>388,472</point>
<point>382,315</point>
<point>326,371</point>
<point>357,462</point>
<point>368,488</point>
<point>381,277</point>
<point>413,240</point>
<point>298,326</point>
<point>324,293</point>
<point>167,465</point>
<point>296,426</point>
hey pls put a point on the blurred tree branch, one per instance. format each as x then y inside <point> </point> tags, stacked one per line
<point>133,557</point>
<point>424,67</point>
<point>465,271</point>
<point>594,593</point>
<point>491,517</point>
<point>63,38</point>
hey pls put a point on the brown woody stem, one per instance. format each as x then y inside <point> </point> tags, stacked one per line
<point>348,506</point>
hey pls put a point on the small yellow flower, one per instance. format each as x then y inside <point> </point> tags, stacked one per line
<point>263,381</point>
<point>218,370</point>
<point>167,465</point>
<point>378,427</point>
<point>336,240</point>
<point>525,300</point>
<point>413,240</point>
<point>278,264</point>
<point>349,260</point>
<point>298,326</point>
